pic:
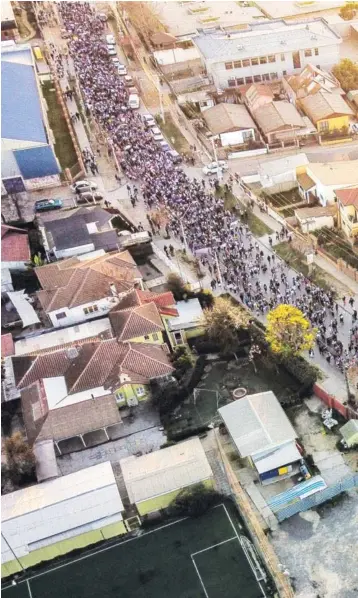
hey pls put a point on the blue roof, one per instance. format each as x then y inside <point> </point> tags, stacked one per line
<point>37,162</point>
<point>21,114</point>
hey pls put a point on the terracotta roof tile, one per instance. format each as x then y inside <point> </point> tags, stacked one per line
<point>15,245</point>
<point>7,345</point>
<point>28,369</point>
<point>135,322</point>
<point>348,197</point>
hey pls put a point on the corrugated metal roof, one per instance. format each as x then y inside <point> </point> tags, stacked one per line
<point>223,118</point>
<point>277,457</point>
<point>19,299</point>
<point>278,115</point>
<point>296,493</point>
<point>37,162</point>
<point>165,470</point>
<point>324,105</point>
<point>69,505</point>
<point>257,422</point>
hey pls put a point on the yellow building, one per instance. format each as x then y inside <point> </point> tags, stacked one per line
<point>328,112</point>
<point>48,520</point>
<point>347,200</point>
<point>154,480</point>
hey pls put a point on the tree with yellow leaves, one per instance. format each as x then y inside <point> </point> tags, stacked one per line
<point>288,332</point>
<point>223,322</point>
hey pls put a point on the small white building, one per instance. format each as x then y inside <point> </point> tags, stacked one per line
<point>310,219</point>
<point>187,324</point>
<point>231,123</point>
<point>281,172</point>
<point>327,177</point>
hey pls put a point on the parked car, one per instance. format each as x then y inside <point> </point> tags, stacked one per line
<point>133,101</point>
<point>102,16</point>
<point>164,146</point>
<point>83,186</point>
<point>111,50</point>
<point>148,120</point>
<point>128,81</point>
<point>116,61</point>
<point>122,70</point>
<point>88,197</point>
<point>110,39</point>
<point>133,90</point>
<point>175,157</point>
<point>157,134</point>
<point>43,205</point>
<point>213,167</point>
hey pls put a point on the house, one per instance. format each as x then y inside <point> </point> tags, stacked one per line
<point>78,231</point>
<point>267,50</point>
<point>347,200</point>
<point>309,82</point>
<point>324,179</point>
<point>231,124</point>
<point>187,324</point>
<point>42,522</point>
<point>28,159</point>
<point>179,61</point>
<point>152,481</point>
<point>263,434</point>
<point>7,345</point>
<point>15,253</point>
<point>161,39</point>
<point>17,311</point>
<point>328,112</point>
<point>257,95</point>
<point>72,392</point>
<point>87,286</point>
<point>281,174</point>
<point>280,121</point>
<point>201,99</point>
<point>350,433</point>
<point>310,219</point>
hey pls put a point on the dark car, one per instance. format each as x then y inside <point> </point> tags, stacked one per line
<point>88,197</point>
<point>43,205</point>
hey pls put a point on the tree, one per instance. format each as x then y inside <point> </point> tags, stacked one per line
<point>194,501</point>
<point>176,285</point>
<point>167,395</point>
<point>182,360</point>
<point>19,456</point>
<point>347,74</point>
<point>348,11</point>
<point>223,323</point>
<point>288,332</point>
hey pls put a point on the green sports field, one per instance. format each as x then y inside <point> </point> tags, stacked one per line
<point>190,558</point>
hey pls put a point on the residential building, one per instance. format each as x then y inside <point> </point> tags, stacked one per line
<point>7,345</point>
<point>154,480</point>
<point>263,434</point>
<point>15,253</point>
<point>267,51</point>
<point>79,231</point>
<point>8,22</point>
<point>328,112</point>
<point>347,200</point>
<point>179,61</point>
<point>309,82</point>
<point>257,95</point>
<point>310,219</point>
<point>324,179</point>
<point>281,174</point>
<point>202,99</point>
<point>187,324</point>
<point>295,10</point>
<point>87,286</point>
<point>231,124</point>
<point>17,311</point>
<point>280,121</point>
<point>42,522</point>
<point>28,160</point>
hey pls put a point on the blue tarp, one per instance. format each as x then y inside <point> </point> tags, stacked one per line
<point>37,162</point>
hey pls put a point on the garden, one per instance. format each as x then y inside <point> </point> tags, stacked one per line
<point>335,244</point>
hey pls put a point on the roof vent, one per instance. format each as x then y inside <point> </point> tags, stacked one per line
<point>112,288</point>
<point>72,353</point>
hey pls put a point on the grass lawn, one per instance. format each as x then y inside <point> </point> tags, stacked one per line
<point>64,148</point>
<point>173,134</point>
<point>298,261</point>
<point>187,558</point>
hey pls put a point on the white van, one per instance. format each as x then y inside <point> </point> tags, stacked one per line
<point>133,101</point>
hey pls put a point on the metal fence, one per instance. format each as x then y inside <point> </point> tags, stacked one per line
<point>316,499</point>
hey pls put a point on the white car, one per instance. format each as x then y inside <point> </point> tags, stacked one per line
<point>110,40</point>
<point>79,186</point>
<point>213,167</point>
<point>157,134</point>
<point>115,61</point>
<point>128,80</point>
<point>148,120</point>
<point>111,50</point>
<point>122,70</point>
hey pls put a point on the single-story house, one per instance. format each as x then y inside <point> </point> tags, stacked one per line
<point>282,173</point>
<point>161,39</point>
<point>347,200</point>
<point>279,121</point>
<point>328,112</point>
<point>325,178</point>
<point>42,522</point>
<point>187,324</point>
<point>256,95</point>
<point>310,219</point>
<point>15,253</point>
<point>201,99</point>
<point>310,81</point>
<point>178,60</point>
<point>262,433</point>
<point>231,123</point>
<point>154,480</point>
<point>350,432</point>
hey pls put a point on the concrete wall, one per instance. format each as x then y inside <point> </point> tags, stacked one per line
<point>76,314</point>
<point>72,251</point>
<point>310,224</point>
<point>15,265</point>
<point>236,137</point>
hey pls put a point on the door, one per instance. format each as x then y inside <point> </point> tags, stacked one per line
<point>296,60</point>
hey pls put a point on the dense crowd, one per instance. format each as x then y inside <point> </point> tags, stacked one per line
<point>193,212</point>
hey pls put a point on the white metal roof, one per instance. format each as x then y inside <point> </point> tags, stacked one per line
<point>165,470</point>
<point>189,312</point>
<point>19,299</point>
<point>52,511</point>
<point>282,165</point>
<point>257,422</point>
<point>46,463</point>
<point>277,457</point>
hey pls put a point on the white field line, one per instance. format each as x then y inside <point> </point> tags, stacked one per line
<point>214,546</point>
<point>200,579</point>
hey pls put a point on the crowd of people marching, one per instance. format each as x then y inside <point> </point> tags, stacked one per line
<point>194,214</point>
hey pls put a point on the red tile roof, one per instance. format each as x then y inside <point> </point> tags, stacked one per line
<point>7,345</point>
<point>14,244</point>
<point>348,197</point>
<point>136,321</point>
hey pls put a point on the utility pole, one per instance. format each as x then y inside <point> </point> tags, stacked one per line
<point>218,172</point>
<point>12,552</point>
<point>218,269</point>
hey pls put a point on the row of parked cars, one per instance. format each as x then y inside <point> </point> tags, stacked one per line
<point>133,100</point>
<point>86,193</point>
<point>152,126</point>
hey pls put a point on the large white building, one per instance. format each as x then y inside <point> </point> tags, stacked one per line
<point>267,51</point>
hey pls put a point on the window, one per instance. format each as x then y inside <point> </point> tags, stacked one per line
<point>231,82</point>
<point>254,61</point>
<point>263,59</point>
<point>246,135</point>
<point>246,62</point>
<point>284,73</point>
<point>316,52</point>
<point>248,79</point>
<point>120,397</point>
<point>240,81</point>
<point>308,53</point>
<point>155,337</point>
<point>257,78</point>
<point>272,58</point>
<point>324,125</point>
<point>273,76</point>
<point>228,65</point>
<point>147,337</point>
<point>90,309</point>
<point>177,337</point>
<point>61,315</point>
<point>237,64</point>
<point>266,77</point>
<point>140,391</point>
<point>283,58</point>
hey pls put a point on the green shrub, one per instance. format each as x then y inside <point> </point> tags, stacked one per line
<point>194,501</point>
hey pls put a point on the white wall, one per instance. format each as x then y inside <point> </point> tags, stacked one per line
<point>76,314</point>
<point>310,224</point>
<point>72,251</point>
<point>15,265</point>
<point>235,137</point>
